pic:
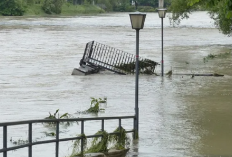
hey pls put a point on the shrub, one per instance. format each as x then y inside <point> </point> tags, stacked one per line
<point>52,6</point>
<point>12,8</point>
<point>47,6</point>
<point>146,9</point>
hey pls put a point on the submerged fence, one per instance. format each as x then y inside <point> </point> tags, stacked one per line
<point>118,61</point>
<point>30,143</point>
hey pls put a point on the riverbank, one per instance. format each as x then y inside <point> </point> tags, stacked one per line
<point>71,10</point>
<point>67,10</point>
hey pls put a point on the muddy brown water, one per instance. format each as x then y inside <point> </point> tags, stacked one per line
<point>179,116</point>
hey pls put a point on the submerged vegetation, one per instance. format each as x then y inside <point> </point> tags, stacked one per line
<point>169,73</point>
<point>145,67</point>
<point>56,115</point>
<point>221,55</point>
<point>95,105</point>
<point>18,142</point>
<point>103,142</point>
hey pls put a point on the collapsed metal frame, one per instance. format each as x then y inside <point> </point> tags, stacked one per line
<point>30,143</point>
<point>102,56</point>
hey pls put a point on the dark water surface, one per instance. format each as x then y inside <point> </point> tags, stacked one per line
<point>179,116</point>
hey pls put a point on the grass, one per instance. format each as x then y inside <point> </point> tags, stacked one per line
<point>221,55</point>
<point>80,9</point>
<point>67,10</point>
<point>35,10</point>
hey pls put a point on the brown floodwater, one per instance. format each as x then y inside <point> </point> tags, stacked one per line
<point>179,115</point>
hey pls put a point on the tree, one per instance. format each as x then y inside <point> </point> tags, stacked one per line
<point>12,8</point>
<point>30,2</point>
<point>220,11</point>
<point>147,2</point>
<point>52,6</point>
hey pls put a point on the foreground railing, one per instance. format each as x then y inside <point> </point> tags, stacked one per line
<point>30,143</point>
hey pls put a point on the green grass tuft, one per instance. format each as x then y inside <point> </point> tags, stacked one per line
<point>67,10</point>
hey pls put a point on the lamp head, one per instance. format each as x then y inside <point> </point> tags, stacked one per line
<point>137,20</point>
<point>162,12</point>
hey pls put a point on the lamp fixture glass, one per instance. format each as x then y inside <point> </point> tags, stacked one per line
<point>162,12</point>
<point>137,20</point>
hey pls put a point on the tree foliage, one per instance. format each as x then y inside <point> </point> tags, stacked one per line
<point>153,3</point>
<point>52,6</point>
<point>12,7</point>
<point>147,2</point>
<point>219,10</point>
<point>30,2</point>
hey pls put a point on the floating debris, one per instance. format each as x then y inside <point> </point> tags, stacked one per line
<point>99,57</point>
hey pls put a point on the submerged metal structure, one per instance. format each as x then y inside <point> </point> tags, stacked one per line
<point>98,56</point>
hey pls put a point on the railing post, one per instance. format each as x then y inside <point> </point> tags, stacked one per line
<point>30,140</point>
<point>134,135</point>
<point>57,138</point>
<point>82,140</point>
<point>5,140</point>
<point>120,127</point>
<point>91,50</point>
<point>102,125</point>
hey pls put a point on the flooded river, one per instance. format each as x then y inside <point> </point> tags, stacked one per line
<point>179,116</point>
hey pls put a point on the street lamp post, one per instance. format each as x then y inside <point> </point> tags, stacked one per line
<point>137,23</point>
<point>162,13</point>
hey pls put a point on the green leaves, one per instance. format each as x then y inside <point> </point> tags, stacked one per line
<point>95,108</point>
<point>55,115</point>
<point>192,2</point>
<point>52,6</point>
<point>12,8</point>
<point>229,15</point>
<point>220,11</point>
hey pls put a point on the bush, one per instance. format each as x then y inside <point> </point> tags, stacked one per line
<point>12,8</point>
<point>52,6</point>
<point>107,4</point>
<point>124,8</point>
<point>47,6</point>
<point>146,9</point>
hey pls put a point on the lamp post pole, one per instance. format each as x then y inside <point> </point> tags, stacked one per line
<point>162,13</point>
<point>162,38</point>
<point>137,84</point>
<point>137,23</point>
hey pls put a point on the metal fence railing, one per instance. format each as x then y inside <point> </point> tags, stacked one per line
<point>118,61</point>
<point>30,143</point>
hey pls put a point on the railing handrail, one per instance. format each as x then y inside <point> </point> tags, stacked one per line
<point>30,143</point>
<point>62,120</point>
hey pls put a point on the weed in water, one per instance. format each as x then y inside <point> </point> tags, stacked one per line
<point>221,55</point>
<point>145,67</point>
<point>119,141</point>
<point>56,116</point>
<point>95,105</point>
<point>77,145</point>
<point>18,142</point>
